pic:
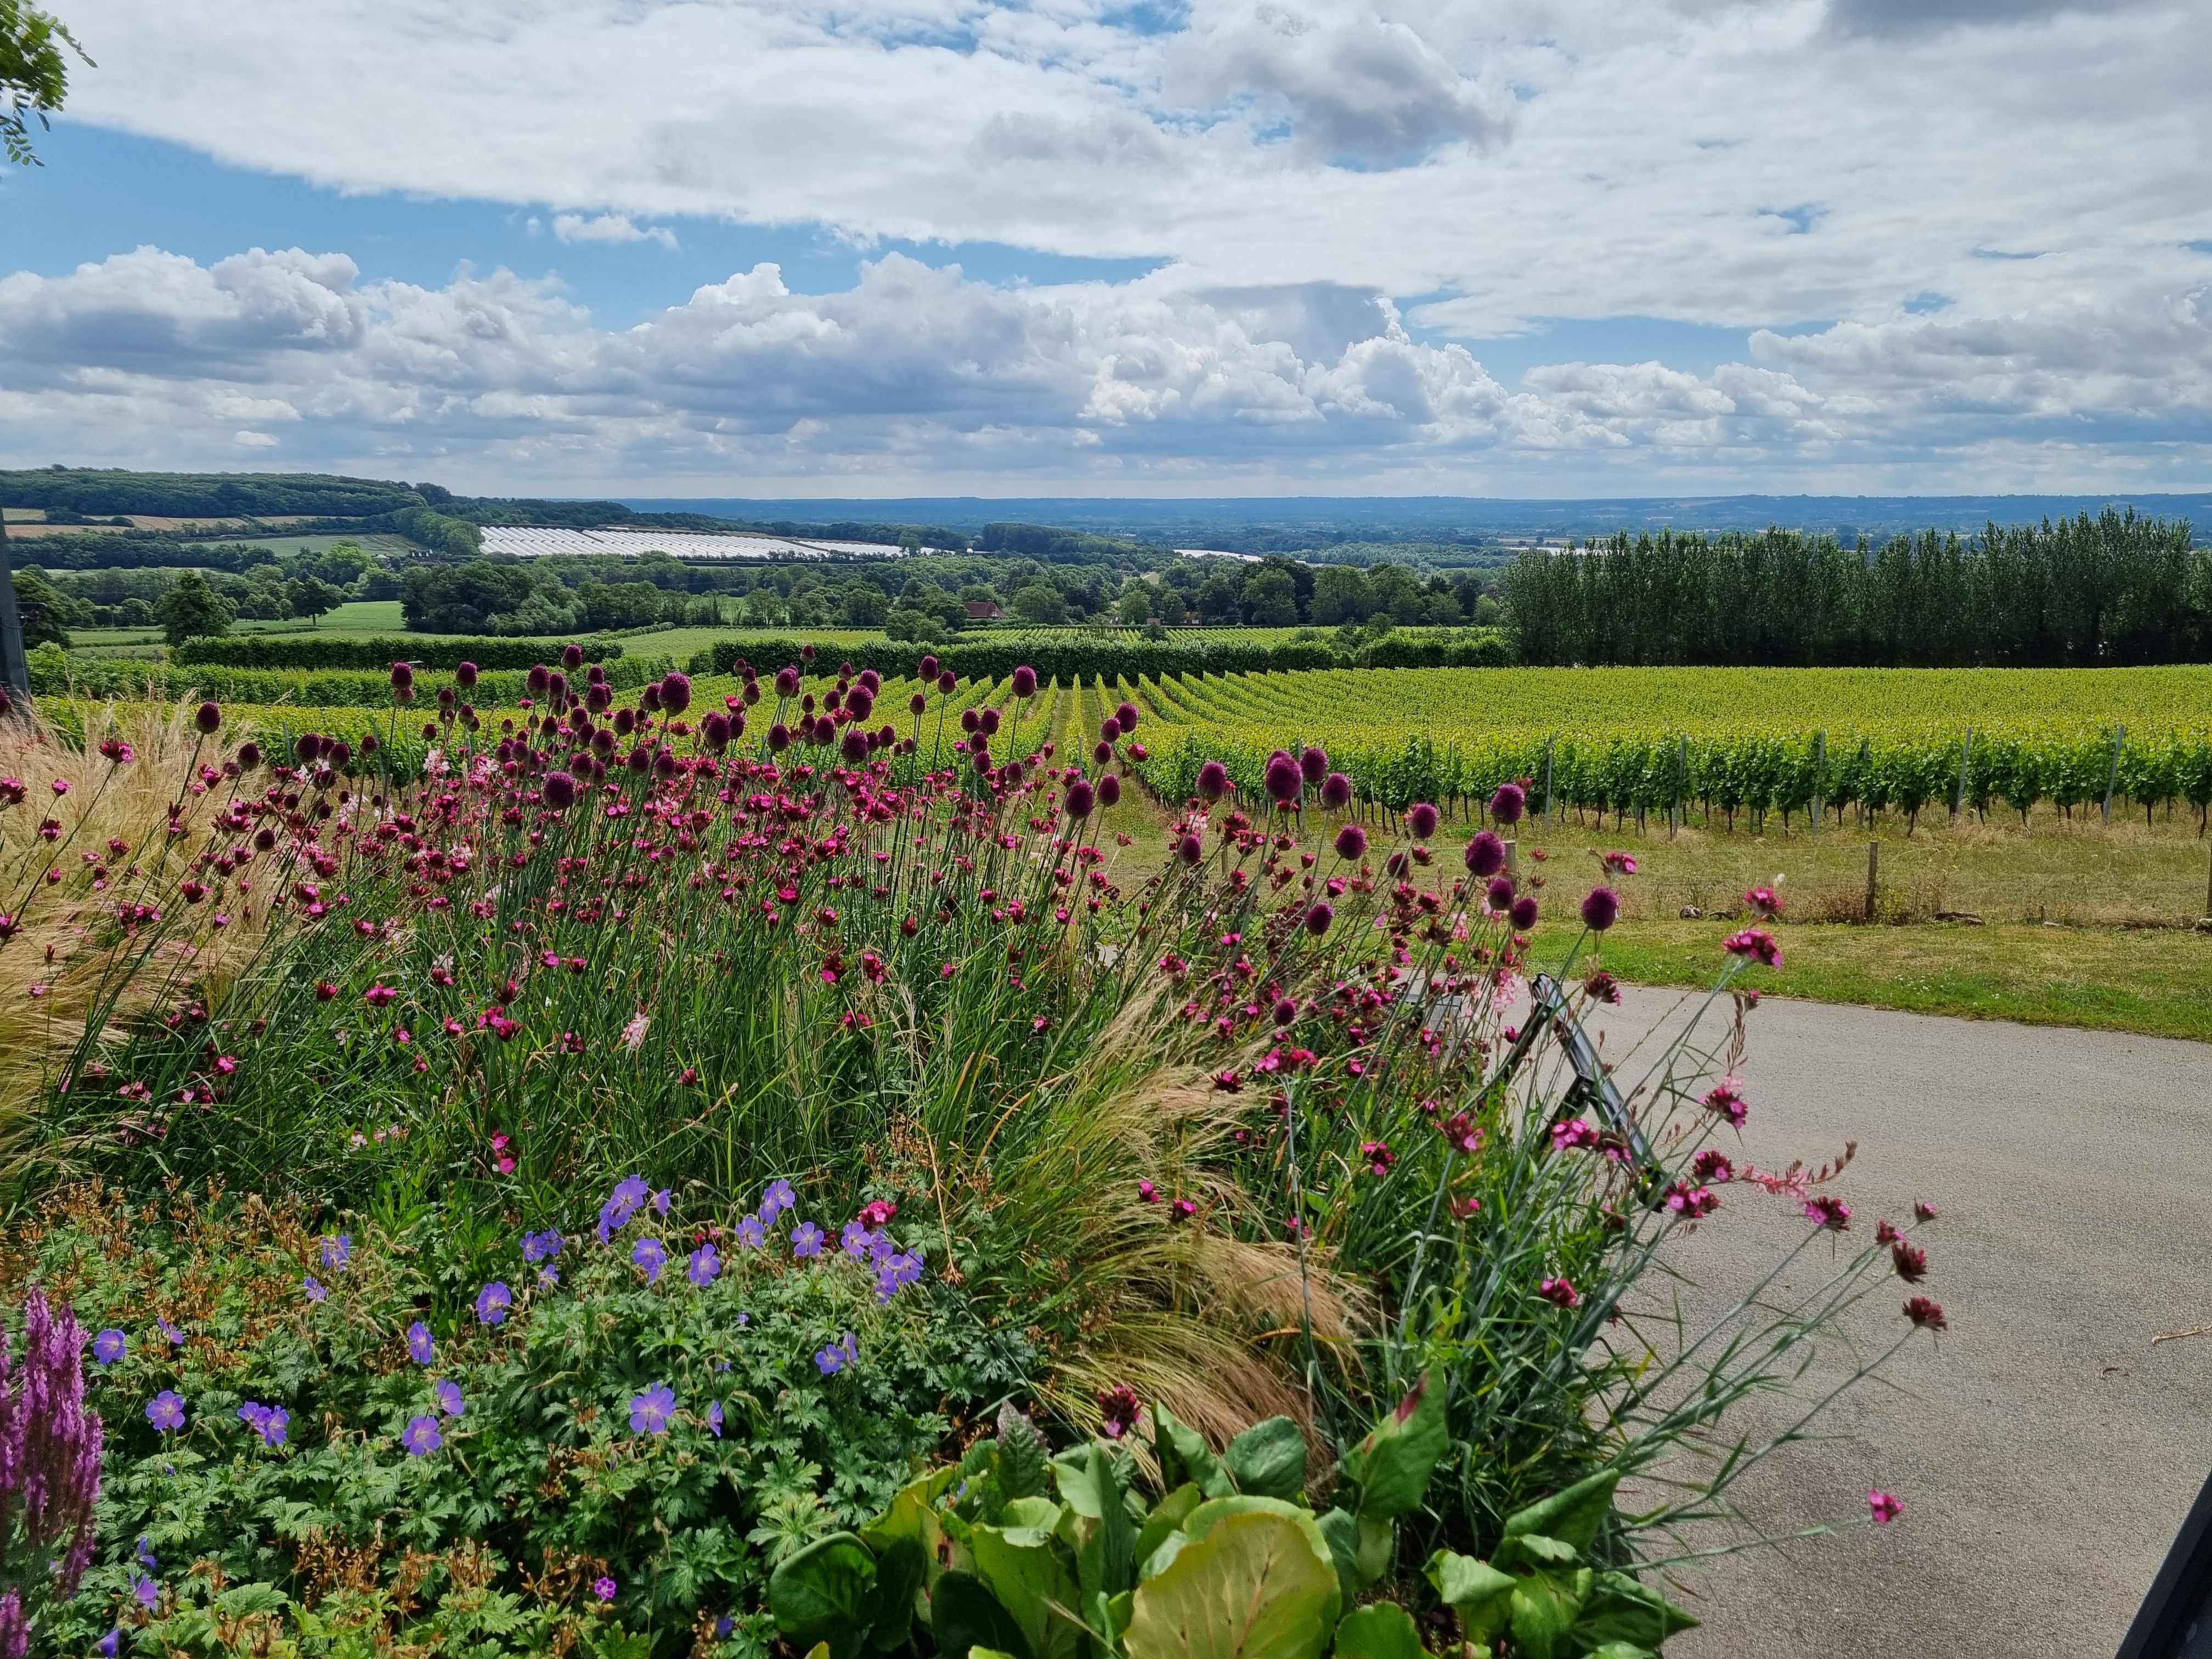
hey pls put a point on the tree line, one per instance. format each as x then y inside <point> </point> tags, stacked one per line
<point>2069,593</point>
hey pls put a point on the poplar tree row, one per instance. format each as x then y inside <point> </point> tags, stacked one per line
<point>2077,592</point>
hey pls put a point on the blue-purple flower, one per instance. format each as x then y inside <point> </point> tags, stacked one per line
<point>148,1592</point>
<point>338,1250</point>
<point>146,1554</point>
<point>448,1394</point>
<point>175,1336</point>
<point>541,1247</point>
<point>706,1263</point>
<point>109,1645</point>
<point>628,1194</point>
<point>715,1417</point>
<point>752,1232</point>
<point>838,1355</point>
<point>109,1346</point>
<point>651,1255</point>
<point>776,1200</point>
<point>660,1202</point>
<point>314,1287</point>
<point>421,1347</point>
<point>806,1239</point>
<point>421,1436</point>
<point>857,1238</point>
<point>649,1412</point>
<point>165,1411</point>
<point>493,1302</point>
<point>895,1271</point>
<point>267,1421</point>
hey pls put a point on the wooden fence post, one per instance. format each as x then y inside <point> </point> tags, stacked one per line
<point>2112,773</point>
<point>1874,866</point>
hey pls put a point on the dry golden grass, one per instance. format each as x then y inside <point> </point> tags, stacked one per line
<point>62,962</point>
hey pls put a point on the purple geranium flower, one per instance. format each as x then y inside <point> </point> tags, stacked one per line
<point>314,1287</point>
<point>660,1202</point>
<point>110,1645</point>
<point>146,1555</point>
<point>629,1192</point>
<point>493,1302</point>
<point>835,1358</point>
<point>857,1238</point>
<point>165,1410</point>
<point>449,1393</point>
<point>714,1416</point>
<point>805,1239</point>
<point>651,1255</point>
<point>267,1421</point>
<point>603,1588</point>
<point>776,1200</point>
<point>421,1436</point>
<point>541,1247</point>
<point>706,1263</point>
<point>421,1348</point>
<point>175,1336</point>
<point>338,1250</point>
<point>752,1232</point>
<point>146,1590</point>
<point>649,1412</point>
<point>109,1346</point>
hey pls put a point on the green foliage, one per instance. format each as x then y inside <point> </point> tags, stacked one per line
<point>34,73</point>
<point>192,610</point>
<point>297,651</point>
<point>457,538</point>
<point>100,492</point>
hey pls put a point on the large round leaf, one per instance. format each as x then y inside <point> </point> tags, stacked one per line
<point>1259,1584</point>
<point>825,1592</point>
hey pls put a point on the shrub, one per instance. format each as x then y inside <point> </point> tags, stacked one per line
<point>305,651</point>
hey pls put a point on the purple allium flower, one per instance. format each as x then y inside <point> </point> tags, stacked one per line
<point>706,1264</point>
<point>108,1346</point>
<point>558,792</point>
<point>1600,908</point>
<point>419,1346</point>
<point>1351,843</point>
<point>1524,913</point>
<point>1313,764</point>
<point>1212,780</point>
<point>603,1588</point>
<point>165,1411</point>
<point>1190,849</point>
<point>448,1395</point>
<point>541,1247</point>
<point>338,1250</point>
<point>1282,780</point>
<point>314,1287</point>
<point>1025,680</point>
<point>839,1355</point>
<point>752,1232</point>
<point>1109,790</point>
<point>493,1302</point>
<point>1081,797</point>
<point>651,1255</point>
<point>715,1417</point>
<point>421,1436</point>
<point>1336,792</point>
<point>1421,819</point>
<point>776,1200</point>
<point>1485,855</point>
<point>806,1239</point>
<point>649,1412</point>
<point>1510,801</point>
<point>1319,918</point>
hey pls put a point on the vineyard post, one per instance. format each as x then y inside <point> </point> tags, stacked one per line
<point>1819,772</point>
<point>1874,865</point>
<point>1681,779</point>
<point>1548,742</point>
<point>2112,772</point>
<point>1959,796</point>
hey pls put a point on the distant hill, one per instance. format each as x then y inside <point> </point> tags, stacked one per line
<point>100,492</point>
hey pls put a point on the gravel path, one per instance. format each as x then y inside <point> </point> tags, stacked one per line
<point>2045,1450</point>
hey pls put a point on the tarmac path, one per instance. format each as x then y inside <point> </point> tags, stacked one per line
<point>2045,1448</point>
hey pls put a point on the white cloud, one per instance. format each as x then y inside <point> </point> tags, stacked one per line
<point>916,374</point>
<point>614,227</point>
<point>254,439</point>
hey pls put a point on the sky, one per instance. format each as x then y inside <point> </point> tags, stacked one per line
<point>859,247</point>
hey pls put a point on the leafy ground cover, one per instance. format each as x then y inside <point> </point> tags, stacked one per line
<point>853,1043</point>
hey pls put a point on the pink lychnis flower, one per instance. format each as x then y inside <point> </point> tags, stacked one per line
<point>1886,1507</point>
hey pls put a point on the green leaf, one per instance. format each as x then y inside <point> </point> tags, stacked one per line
<point>1393,1463</point>
<point>1028,1578</point>
<point>1384,1631</point>
<point>1473,1589</point>
<point>1022,1454</point>
<point>1573,1515</point>
<point>1098,1525</point>
<point>1167,1514</point>
<point>1340,1529</point>
<point>1621,1650</point>
<point>1534,1550</point>
<point>1378,1545</point>
<point>1268,1459</point>
<point>1543,1607</point>
<point>1188,1447</point>
<point>1254,1580</point>
<point>1622,1610</point>
<point>825,1592</point>
<point>966,1619</point>
<point>913,1514</point>
<point>900,1570</point>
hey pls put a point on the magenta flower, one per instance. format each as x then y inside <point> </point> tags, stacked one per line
<point>1600,908</point>
<point>1485,855</point>
<point>649,1412</point>
<point>1756,943</point>
<point>603,1587</point>
<point>1886,1507</point>
<point>1574,1132</point>
<point>421,1436</point>
<point>1830,1212</point>
<point>1910,1260</point>
<point>1926,1314</point>
<point>1320,917</point>
<point>1119,1409</point>
<point>1725,1099</point>
<point>1560,1291</point>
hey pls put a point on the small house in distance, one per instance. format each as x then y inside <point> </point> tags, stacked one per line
<point>985,611</point>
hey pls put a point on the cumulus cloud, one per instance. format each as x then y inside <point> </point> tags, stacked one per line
<point>920,373</point>
<point>615,228</point>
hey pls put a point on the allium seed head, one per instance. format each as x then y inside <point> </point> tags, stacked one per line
<point>1509,803</point>
<point>1025,682</point>
<point>209,717</point>
<point>1421,819</point>
<point>1336,792</point>
<point>1600,908</point>
<point>1486,855</point>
